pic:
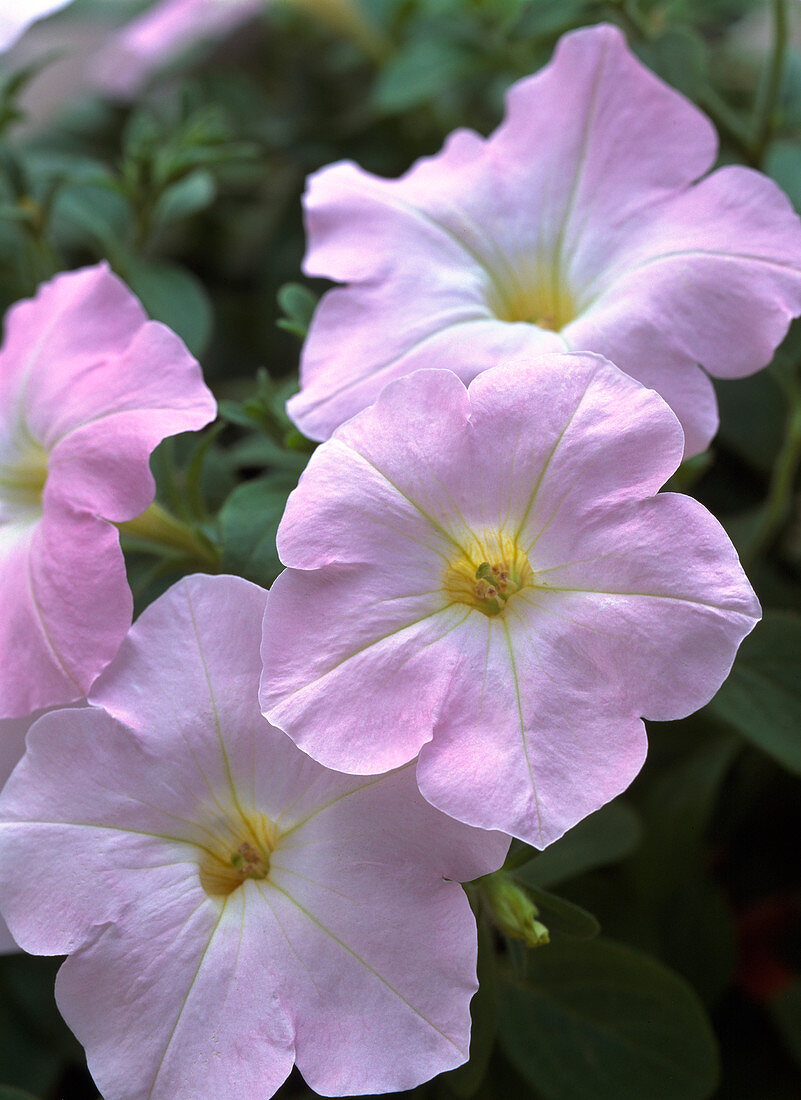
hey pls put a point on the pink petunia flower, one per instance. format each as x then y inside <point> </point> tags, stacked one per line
<point>485,577</point>
<point>228,905</point>
<point>579,224</point>
<point>88,387</point>
<point>17,15</point>
<point>161,34</point>
<point>12,746</point>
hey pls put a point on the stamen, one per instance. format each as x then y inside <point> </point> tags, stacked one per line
<point>502,570</point>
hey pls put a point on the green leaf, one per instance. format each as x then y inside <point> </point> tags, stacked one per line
<point>608,835</point>
<point>417,73</point>
<point>783,164</point>
<point>697,934</point>
<point>563,916</point>
<point>597,1021</point>
<point>762,697</point>
<point>172,295</point>
<point>298,304</point>
<point>752,417</point>
<point>248,522</point>
<point>679,55</point>
<point>14,1094</point>
<point>35,1043</point>
<point>189,195</point>
<point>88,212</point>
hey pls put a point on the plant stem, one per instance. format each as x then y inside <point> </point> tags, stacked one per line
<point>728,121</point>
<point>156,529</point>
<point>765,110</point>
<point>785,470</point>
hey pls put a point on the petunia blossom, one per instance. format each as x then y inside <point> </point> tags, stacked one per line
<point>230,907</point>
<point>12,746</point>
<point>580,224</point>
<point>161,34</point>
<point>88,387</point>
<point>17,15</point>
<point>486,577</point>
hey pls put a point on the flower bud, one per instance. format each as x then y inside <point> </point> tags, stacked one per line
<point>513,911</point>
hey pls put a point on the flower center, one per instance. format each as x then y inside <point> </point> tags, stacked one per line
<point>491,571</point>
<point>538,298</point>
<point>240,850</point>
<point>22,480</point>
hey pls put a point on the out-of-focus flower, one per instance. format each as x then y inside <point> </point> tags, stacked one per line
<point>162,33</point>
<point>485,577</point>
<point>17,15</point>
<point>12,746</point>
<point>88,387</point>
<point>171,28</point>
<point>228,905</point>
<point>579,224</point>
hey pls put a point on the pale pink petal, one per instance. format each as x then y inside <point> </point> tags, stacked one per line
<point>199,1013</point>
<point>12,746</point>
<point>161,34</point>
<point>198,689</point>
<point>355,954</point>
<point>366,701</point>
<point>42,335</point>
<point>405,492</point>
<point>533,739</point>
<point>17,16</point>
<point>102,386</point>
<point>88,387</point>
<point>580,214</point>
<point>98,826</point>
<point>325,880</point>
<point>729,306</point>
<point>66,605</point>
<point>526,707</point>
<point>672,622</point>
<point>571,429</point>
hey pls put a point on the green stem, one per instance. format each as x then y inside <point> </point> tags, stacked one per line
<point>785,470</point>
<point>519,857</point>
<point>157,529</point>
<point>728,121</point>
<point>770,89</point>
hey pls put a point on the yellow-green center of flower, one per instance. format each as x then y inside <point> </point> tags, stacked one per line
<point>490,572</point>
<point>537,297</point>
<point>240,850</point>
<point>22,479</point>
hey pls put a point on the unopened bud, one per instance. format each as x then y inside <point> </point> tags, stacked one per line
<point>513,910</point>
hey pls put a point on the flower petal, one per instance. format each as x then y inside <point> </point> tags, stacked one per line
<point>610,603</point>
<point>66,606</point>
<point>580,213</point>
<point>531,738</point>
<point>12,746</point>
<point>84,800</point>
<point>365,701</point>
<point>200,1014</point>
<point>15,21</point>
<point>88,386</point>
<point>353,885</point>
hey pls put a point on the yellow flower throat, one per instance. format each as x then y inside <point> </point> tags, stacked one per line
<point>492,570</point>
